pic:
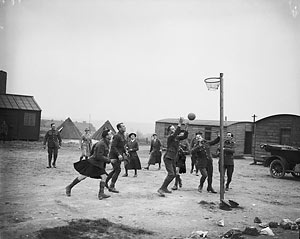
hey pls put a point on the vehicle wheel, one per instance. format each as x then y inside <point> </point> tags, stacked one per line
<point>296,175</point>
<point>277,169</point>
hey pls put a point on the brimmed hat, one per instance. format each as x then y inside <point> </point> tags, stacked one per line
<point>132,134</point>
<point>87,129</point>
<point>154,134</point>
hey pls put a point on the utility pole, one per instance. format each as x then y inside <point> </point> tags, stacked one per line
<point>254,138</point>
<point>90,122</point>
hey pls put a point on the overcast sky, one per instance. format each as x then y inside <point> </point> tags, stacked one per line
<point>145,60</point>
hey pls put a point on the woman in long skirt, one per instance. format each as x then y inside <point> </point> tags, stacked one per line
<point>155,152</point>
<point>133,159</point>
<point>94,166</point>
<point>85,144</point>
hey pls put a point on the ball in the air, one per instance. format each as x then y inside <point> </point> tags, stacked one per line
<point>191,116</point>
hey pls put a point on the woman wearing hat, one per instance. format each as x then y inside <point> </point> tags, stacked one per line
<point>133,159</point>
<point>155,152</point>
<point>94,166</point>
<point>85,144</point>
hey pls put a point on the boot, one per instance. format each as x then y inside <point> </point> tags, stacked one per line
<point>166,183</point>
<point>179,181</point>
<point>200,188</point>
<point>165,190</point>
<point>211,190</point>
<point>54,163</point>
<point>125,174</point>
<point>112,188</point>
<point>69,187</point>
<point>175,187</point>
<point>161,192</point>
<point>49,162</point>
<point>101,194</point>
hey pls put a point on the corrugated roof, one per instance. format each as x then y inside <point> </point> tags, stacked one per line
<point>18,102</point>
<point>197,122</point>
<point>272,116</point>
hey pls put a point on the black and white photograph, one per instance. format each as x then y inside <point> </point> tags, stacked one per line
<point>155,119</point>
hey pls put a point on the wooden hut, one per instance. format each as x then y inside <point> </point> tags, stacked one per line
<point>22,115</point>
<point>276,129</point>
<point>242,136</point>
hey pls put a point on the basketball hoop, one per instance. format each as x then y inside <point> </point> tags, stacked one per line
<point>212,83</point>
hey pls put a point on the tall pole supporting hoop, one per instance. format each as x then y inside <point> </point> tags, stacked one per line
<point>222,190</point>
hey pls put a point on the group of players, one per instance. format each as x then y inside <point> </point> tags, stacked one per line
<point>116,149</point>
<point>201,158</point>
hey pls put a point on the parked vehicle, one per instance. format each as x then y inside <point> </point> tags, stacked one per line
<point>283,159</point>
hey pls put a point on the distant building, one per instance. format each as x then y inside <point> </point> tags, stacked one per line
<point>242,136</point>
<point>21,113</point>
<point>277,129</point>
<point>242,132</point>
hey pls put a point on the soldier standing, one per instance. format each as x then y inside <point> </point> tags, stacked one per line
<point>53,141</point>
<point>229,150</point>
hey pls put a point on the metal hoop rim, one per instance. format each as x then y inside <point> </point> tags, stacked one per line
<point>212,80</point>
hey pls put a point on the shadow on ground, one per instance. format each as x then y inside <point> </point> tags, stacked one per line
<point>87,229</point>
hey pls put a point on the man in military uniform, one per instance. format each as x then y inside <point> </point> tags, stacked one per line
<point>204,160</point>
<point>229,150</point>
<point>170,156</point>
<point>117,154</point>
<point>53,141</point>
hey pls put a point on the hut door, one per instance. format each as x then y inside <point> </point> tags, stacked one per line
<point>285,136</point>
<point>248,142</point>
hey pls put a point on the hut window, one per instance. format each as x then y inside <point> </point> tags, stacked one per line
<point>29,119</point>
<point>207,135</point>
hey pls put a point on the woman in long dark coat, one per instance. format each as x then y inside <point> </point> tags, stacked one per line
<point>155,152</point>
<point>133,159</point>
<point>94,166</point>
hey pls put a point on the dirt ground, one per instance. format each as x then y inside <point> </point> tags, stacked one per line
<point>33,197</point>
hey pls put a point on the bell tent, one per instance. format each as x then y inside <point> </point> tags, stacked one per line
<point>98,133</point>
<point>68,130</point>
